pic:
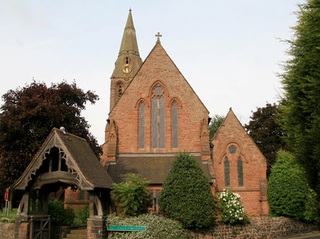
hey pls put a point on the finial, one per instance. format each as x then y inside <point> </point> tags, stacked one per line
<point>158,37</point>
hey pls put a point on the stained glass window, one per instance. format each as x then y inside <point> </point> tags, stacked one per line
<point>174,125</point>
<point>141,125</point>
<point>232,149</point>
<point>240,172</point>
<point>158,118</point>
<point>226,172</point>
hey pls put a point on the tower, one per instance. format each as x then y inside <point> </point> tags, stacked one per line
<point>127,64</point>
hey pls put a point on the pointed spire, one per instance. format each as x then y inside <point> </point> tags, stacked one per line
<point>129,52</point>
<point>129,40</point>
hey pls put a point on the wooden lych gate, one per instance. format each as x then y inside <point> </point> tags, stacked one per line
<point>63,160</point>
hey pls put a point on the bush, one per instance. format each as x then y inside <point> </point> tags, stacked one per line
<point>231,207</point>
<point>132,196</point>
<point>59,215</point>
<point>186,195</point>
<point>156,227</point>
<point>288,190</point>
<point>82,215</point>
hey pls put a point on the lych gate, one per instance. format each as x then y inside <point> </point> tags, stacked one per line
<point>63,160</point>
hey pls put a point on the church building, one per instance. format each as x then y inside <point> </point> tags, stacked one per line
<point>155,114</point>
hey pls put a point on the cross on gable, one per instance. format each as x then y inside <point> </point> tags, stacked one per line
<point>158,36</point>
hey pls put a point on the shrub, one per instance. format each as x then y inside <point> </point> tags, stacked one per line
<point>288,190</point>
<point>231,207</point>
<point>82,215</point>
<point>59,215</point>
<point>156,227</point>
<point>132,195</point>
<point>186,195</point>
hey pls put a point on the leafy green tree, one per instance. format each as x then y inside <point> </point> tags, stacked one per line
<point>288,190</point>
<point>28,116</point>
<point>301,81</point>
<point>132,195</point>
<point>186,195</point>
<point>214,125</point>
<point>266,132</point>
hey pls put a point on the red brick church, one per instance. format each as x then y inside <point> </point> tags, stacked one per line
<point>155,114</point>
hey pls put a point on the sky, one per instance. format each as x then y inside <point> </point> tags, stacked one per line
<point>229,51</point>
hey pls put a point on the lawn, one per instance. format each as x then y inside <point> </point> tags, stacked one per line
<point>12,214</point>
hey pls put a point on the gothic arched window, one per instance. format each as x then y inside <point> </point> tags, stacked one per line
<point>174,125</point>
<point>141,125</point>
<point>226,172</point>
<point>158,118</point>
<point>240,172</point>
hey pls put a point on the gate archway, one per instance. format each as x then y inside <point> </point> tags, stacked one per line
<point>63,160</point>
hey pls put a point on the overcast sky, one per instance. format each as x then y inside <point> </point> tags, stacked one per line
<point>229,51</point>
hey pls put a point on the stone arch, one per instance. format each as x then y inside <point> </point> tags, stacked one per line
<point>174,99</point>
<point>239,152</point>
<point>158,83</point>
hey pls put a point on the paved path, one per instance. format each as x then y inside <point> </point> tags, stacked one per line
<point>309,235</point>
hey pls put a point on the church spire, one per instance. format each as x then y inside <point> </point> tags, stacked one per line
<point>127,64</point>
<point>129,61</point>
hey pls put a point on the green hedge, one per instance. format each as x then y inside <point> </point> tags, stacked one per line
<point>156,227</point>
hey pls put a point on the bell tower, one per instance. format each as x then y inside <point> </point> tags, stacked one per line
<point>127,64</point>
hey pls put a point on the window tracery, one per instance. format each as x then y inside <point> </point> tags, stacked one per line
<point>158,117</point>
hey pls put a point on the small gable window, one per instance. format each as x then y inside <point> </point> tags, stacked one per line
<point>174,125</point>
<point>240,172</point>
<point>141,125</point>
<point>226,172</point>
<point>232,149</point>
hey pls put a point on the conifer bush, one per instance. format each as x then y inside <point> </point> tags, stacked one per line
<point>288,190</point>
<point>186,195</point>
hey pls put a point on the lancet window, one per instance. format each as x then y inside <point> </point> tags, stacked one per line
<point>174,125</point>
<point>141,125</point>
<point>226,172</point>
<point>240,172</point>
<point>158,118</point>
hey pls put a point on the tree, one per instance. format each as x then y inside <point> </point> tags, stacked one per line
<point>301,80</point>
<point>186,195</point>
<point>215,124</point>
<point>288,190</point>
<point>132,195</point>
<point>28,116</point>
<point>266,132</point>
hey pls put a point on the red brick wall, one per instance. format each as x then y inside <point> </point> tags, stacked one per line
<point>254,164</point>
<point>71,199</point>
<point>158,68</point>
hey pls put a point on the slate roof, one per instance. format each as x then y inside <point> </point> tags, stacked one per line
<point>154,168</point>
<point>80,155</point>
<point>86,160</point>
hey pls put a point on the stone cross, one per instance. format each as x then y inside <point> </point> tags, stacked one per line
<point>158,36</point>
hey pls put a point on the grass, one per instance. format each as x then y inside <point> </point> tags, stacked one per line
<point>12,214</point>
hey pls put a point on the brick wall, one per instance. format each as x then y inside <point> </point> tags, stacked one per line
<point>263,228</point>
<point>6,230</point>
<point>158,69</point>
<point>260,228</point>
<point>231,133</point>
